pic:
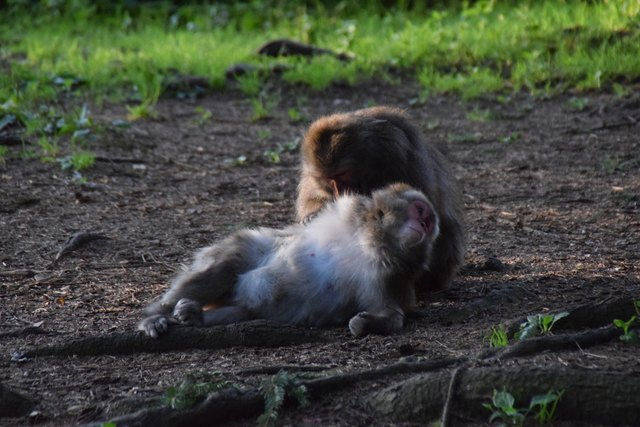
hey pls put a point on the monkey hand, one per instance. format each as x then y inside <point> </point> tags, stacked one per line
<point>154,325</point>
<point>188,312</point>
<point>388,322</point>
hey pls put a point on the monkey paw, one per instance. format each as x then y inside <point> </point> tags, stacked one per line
<point>359,324</point>
<point>154,325</point>
<point>188,312</point>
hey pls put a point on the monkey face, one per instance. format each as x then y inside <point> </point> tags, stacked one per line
<point>404,220</point>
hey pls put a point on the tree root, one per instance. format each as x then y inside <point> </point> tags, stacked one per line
<point>589,395</point>
<point>259,333</point>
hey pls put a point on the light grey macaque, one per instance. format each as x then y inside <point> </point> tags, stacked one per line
<point>356,261</point>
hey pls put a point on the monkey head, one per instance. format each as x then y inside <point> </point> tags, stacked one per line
<point>352,153</point>
<point>402,223</point>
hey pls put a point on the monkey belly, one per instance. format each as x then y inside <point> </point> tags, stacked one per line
<point>280,297</point>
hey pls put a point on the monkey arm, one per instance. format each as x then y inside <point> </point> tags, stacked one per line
<point>384,321</point>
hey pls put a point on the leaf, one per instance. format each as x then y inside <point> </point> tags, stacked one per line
<point>543,399</point>
<point>503,399</point>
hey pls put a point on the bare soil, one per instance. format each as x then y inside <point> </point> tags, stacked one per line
<point>551,192</point>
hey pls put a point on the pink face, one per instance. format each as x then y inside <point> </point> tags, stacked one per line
<point>421,224</point>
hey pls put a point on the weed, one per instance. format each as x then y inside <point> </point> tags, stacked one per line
<point>274,390</point>
<point>539,324</point>
<point>503,407</point>
<point>49,147</point>
<point>498,338</point>
<point>546,405</point>
<point>620,91</point>
<point>261,109</point>
<point>295,115</point>
<point>77,161</point>
<point>204,115</point>
<point>466,137</point>
<point>264,134</point>
<point>273,155</point>
<point>512,137</point>
<point>629,337</point>
<point>191,392</point>
<point>479,115</point>
<point>241,160</point>
<point>145,110</point>
<point>250,83</point>
<point>578,104</point>
<point>4,151</point>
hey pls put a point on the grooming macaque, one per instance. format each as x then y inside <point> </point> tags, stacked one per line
<point>356,259</point>
<point>362,151</point>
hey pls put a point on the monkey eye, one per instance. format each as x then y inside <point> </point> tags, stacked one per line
<point>379,214</point>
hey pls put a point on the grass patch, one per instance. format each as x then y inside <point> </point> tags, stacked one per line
<point>72,52</point>
<point>471,50</point>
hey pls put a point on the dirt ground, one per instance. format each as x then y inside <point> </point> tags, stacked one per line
<point>550,190</point>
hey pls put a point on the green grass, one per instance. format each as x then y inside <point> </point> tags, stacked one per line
<point>487,47</point>
<point>71,52</point>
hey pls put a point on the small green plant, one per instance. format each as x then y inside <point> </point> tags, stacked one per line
<point>629,337</point>
<point>275,389</point>
<point>546,405</point>
<point>512,137</point>
<point>77,161</point>
<point>539,324</point>
<point>479,115</point>
<point>261,108</point>
<point>204,115</point>
<point>295,115</point>
<point>498,338</point>
<point>273,155</point>
<point>4,151</point>
<point>250,83</point>
<point>49,148</point>
<point>503,408</point>
<point>145,110</point>
<point>465,137</point>
<point>264,134</point>
<point>578,104</point>
<point>241,160</point>
<point>191,392</point>
<point>620,91</point>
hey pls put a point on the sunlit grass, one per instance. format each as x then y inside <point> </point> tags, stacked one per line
<point>472,51</point>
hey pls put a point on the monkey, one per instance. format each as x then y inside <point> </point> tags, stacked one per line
<point>355,261</point>
<point>361,151</point>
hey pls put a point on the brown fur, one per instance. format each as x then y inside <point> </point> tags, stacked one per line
<point>367,149</point>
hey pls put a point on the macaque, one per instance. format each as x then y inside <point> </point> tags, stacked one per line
<point>362,151</point>
<point>355,261</point>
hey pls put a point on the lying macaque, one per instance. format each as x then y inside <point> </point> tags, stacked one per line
<point>356,261</point>
<point>365,150</point>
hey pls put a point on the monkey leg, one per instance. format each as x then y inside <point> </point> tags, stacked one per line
<point>385,321</point>
<point>212,276</point>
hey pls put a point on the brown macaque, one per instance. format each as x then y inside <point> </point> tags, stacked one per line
<point>362,151</point>
<point>356,261</point>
